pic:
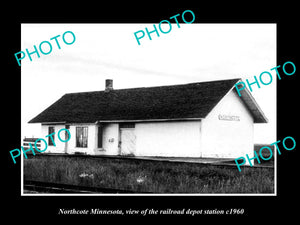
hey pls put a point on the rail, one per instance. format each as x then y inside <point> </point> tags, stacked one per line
<point>48,187</point>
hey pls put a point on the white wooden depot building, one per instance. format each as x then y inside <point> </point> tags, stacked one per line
<point>206,119</point>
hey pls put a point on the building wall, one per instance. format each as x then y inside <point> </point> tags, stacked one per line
<point>110,139</point>
<point>60,146</point>
<point>71,144</point>
<point>172,139</point>
<point>227,138</point>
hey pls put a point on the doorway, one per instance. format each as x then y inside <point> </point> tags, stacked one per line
<point>127,139</point>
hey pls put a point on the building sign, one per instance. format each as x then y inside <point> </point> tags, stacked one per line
<point>228,117</point>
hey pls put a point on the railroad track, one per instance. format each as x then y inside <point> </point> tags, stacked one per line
<point>47,187</point>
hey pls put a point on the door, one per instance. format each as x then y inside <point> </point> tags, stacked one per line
<point>128,140</point>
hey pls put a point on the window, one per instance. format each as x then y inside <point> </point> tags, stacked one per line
<point>100,134</point>
<point>127,125</point>
<point>81,137</point>
<point>51,138</point>
<point>67,133</point>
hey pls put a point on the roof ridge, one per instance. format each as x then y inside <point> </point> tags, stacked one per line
<point>171,85</point>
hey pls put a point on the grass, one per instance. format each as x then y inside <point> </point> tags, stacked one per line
<point>148,176</point>
<point>265,154</point>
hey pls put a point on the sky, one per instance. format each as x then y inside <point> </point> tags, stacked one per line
<point>192,53</point>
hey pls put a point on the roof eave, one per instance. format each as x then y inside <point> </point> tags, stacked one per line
<point>49,123</point>
<point>256,111</point>
<point>148,120</point>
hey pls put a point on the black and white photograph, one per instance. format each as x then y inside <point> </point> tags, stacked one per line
<point>165,116</point>
<point>138,112</point>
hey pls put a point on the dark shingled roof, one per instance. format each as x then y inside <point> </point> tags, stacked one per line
<point>193,100</point>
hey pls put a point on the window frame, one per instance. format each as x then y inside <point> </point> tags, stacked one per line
<point>50,142</point>
<point>82,132</point>
<point>100,137</point>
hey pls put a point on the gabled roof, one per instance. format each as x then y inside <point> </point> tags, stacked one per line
<point>187,101</point>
